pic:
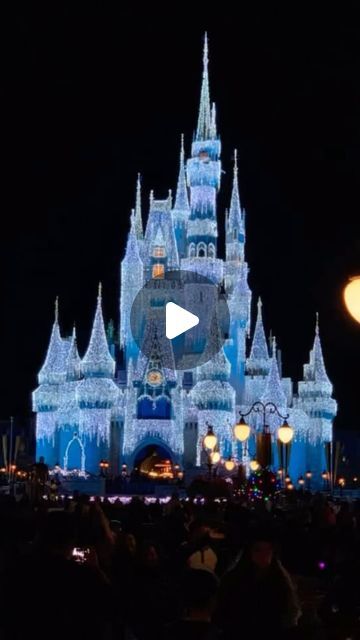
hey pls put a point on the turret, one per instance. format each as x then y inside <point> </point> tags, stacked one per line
<point>97,361</point>
<point>203,172</point>
<point>132,277</point>
<point>235,227</point>
<point>258,363</point>
<point>160,252</point>
<point>181,208</point>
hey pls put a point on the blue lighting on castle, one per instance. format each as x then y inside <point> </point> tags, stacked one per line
<point>89,408</point>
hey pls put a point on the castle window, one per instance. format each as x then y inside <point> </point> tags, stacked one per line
<point>158,271</point>
<point>192,250</point>
<point>201,250</point>
<point>159,252</point>
<point>235,234</point>
<point>211,250</point>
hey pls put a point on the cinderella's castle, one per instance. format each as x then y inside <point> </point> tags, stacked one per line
<point>114,402</point>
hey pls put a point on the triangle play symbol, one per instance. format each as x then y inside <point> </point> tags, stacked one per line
<point>178,320</point>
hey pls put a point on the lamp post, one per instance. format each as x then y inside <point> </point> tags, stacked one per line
<point>308,476</point>
<point>285,433</point>
<point>209,445</point>
<point>325,477</point>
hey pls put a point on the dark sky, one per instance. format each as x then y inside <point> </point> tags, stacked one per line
<point>91,96</point>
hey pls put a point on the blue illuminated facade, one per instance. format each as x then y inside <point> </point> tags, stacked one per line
<point>92,408</point>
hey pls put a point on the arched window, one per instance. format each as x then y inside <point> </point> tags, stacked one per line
<point>201,250</point>
<point>211,250</point>
<point>235,233</point>
<point>192,250</point>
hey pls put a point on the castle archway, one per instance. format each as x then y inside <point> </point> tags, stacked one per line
<point>153,461</point>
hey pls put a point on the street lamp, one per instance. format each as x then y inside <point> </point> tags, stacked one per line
<point>285,432</point>
<point>209,444</point>
<point>254,465</point>
<point>229,464</point>
<point>215,457</point>
<point>210,439</point>
<point>301,481</point>
<point>308,476</point>
<point>242,430</point>
<point>325,477</point>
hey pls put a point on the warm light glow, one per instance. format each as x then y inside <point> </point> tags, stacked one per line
<point>308,475</point>
<point>287,479</point>
<point>285,433</point>
<point>215,457</point>
<point>229,464</point>
<point>158,271</point>
<point>159,252</point>
<point>301,481</point>
<point>352,297</point>
<point>290,486</point>
<point>324,475</point>
<point>254,465</point>
<point>242,430</point>
<point>210,440</point>
<point>341,482</point>
<point>355,479</point>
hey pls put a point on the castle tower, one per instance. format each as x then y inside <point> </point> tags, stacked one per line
<point>235,227</point>
<point>214,398</point>
<point>97,394</point>
<point>46,398</point>
<point>203,172</point>
<point>132,276</point>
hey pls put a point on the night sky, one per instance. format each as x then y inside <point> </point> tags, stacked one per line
<point>90,97</point>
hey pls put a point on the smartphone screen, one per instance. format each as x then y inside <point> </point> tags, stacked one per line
<point>80,554</point>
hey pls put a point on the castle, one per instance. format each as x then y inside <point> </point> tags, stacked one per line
<point>97,408</point>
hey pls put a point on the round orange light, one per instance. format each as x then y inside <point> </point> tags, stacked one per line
<point>352,297</point>
<point>229,464</point>
<point>242,431</point>
<point>215,457</point>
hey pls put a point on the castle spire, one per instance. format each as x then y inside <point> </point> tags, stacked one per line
<point>73,361</point>
<point>273,390</point>
<point>138,219</point>
<point>204,120</point>
<point>132,253</point>
<point>258,361</point>
<point>235,218</point>
<point>182,200</point>
<point>320,374</point>
<point>98,362</point>
<point>52,370</point>
<point>57,310</point>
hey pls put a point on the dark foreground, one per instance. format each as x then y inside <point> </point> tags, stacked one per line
<point>183,570</point>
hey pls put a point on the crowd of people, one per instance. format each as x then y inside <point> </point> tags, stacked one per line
<point>187,569</point>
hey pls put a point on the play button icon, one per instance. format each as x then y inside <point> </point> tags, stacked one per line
<point>178,320</point>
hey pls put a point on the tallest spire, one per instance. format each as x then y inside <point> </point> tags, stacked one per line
<point>204,121</point>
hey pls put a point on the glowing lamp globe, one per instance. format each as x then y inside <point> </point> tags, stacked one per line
<point>301,481</point>
<point>352,297</point>
<point>229,464</point>
<point>285,433</point>
<point>254,465</point>
<point>242,430</point>
<point>324,475</point>
<point>210,440</point>
<point>215,457</point>
<point>290,486</point>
